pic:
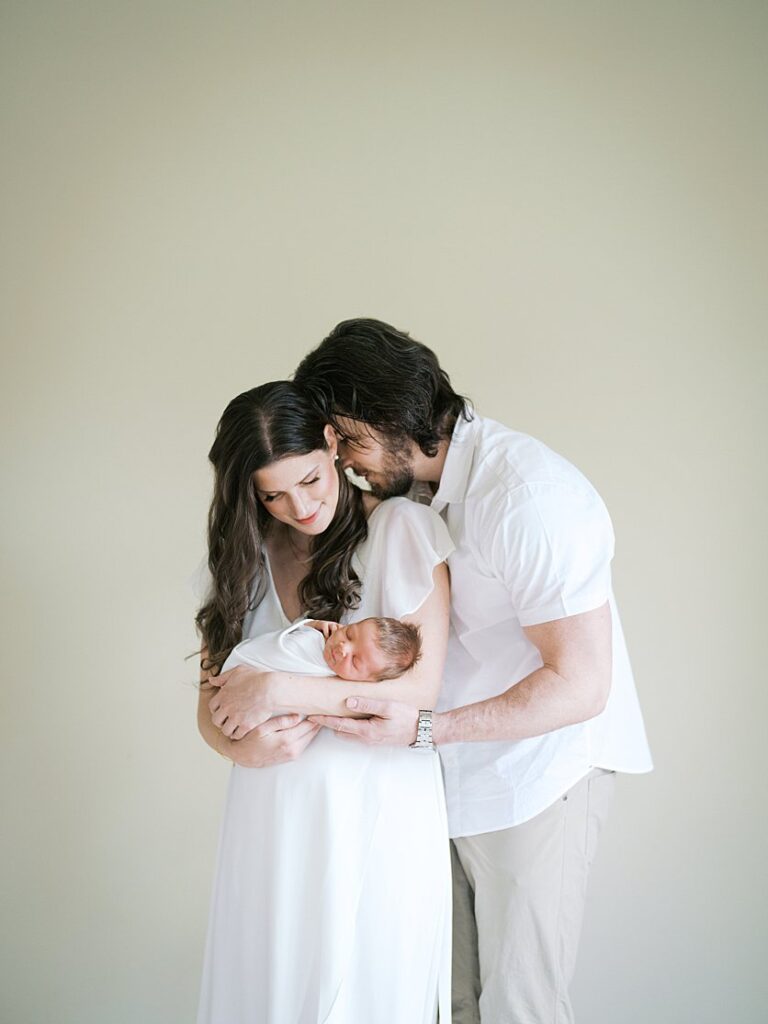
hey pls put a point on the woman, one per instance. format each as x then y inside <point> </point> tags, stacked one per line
<point>331,902</point>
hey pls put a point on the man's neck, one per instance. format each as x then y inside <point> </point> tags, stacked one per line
<point>429,469</point>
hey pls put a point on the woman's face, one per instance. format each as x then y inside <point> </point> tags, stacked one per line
<point>302,491</point>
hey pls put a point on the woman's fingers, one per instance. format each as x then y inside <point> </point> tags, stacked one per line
<point>292,742</point>
<point>277,724</point>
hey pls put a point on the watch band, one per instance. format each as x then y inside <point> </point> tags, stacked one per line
<point>424,739</point>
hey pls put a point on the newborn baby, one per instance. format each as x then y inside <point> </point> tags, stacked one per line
<point>366,651</point>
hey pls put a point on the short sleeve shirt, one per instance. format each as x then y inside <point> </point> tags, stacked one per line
<point>534,543</point>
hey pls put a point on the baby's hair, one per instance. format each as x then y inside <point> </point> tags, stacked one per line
<point>400,643</point>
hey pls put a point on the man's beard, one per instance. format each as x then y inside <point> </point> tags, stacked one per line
<point>397,474</point>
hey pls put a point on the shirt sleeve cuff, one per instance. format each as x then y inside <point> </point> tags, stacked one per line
<point>562,609</point>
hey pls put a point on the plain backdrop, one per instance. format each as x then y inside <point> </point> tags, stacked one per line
<point>567,201</point>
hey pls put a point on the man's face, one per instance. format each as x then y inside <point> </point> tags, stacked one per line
<point>385,461</point>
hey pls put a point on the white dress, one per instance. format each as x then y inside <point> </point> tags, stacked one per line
<point>332,900</point>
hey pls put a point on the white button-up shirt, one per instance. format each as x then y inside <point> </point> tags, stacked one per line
<point>534,543</point>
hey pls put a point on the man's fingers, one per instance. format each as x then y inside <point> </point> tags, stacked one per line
<point>328,721</point>
<point>370,706</point>
<point>349,726</point>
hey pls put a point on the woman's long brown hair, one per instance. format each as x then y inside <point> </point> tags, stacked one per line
<point>257,428</point>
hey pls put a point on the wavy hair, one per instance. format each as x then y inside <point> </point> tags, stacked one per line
<point>259,427</point>
<point>370,371</point>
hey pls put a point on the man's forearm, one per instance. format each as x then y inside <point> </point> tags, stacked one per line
<point>539,703</point>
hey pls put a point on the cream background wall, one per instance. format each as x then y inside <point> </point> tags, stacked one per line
<point>567,201</point>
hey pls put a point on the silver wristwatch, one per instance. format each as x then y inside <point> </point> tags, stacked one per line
<point>423,739</point>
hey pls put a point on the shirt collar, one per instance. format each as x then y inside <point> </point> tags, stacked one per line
<point>454,479</point>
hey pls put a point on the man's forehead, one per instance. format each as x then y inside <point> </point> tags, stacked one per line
<point>358,431</point>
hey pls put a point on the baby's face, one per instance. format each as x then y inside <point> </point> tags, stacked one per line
<point>352,652</point>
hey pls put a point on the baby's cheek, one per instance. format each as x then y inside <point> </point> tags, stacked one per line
<point>354,676</point>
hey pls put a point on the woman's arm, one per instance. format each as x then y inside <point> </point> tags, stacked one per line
<point>281,739</point>
<point>247,692</point>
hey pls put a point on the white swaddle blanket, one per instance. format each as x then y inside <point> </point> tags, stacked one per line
<point>298,648</point>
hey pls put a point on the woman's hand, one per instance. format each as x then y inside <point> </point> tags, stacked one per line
<point>281,739</point>
<point>242,700</point>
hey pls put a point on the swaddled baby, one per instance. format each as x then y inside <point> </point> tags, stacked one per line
<point>369,650</point>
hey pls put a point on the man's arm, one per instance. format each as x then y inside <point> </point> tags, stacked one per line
<point>572,686</point>
<point>246,696</point>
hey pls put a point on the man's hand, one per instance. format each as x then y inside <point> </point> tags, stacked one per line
<point>323,626</point>
<point>391,723</point>
<point>277,741</point>
<point>242,701</point>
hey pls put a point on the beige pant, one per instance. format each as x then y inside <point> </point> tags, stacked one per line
<point>518,899</point>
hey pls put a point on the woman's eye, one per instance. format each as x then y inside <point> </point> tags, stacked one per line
<point>306,483</point>
<point>270,497</point>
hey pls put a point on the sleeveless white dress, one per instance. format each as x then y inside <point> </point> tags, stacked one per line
<point>332,898</point>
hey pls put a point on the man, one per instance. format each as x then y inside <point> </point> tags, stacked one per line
<point>539,708</point>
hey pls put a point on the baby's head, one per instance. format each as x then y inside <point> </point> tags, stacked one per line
<point>373,649</point>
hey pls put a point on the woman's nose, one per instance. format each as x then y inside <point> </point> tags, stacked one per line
<point>298,508</point>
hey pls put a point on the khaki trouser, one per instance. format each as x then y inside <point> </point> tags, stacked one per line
<point>518,899</point>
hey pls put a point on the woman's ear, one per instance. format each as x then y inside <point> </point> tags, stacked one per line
<point>331,439</point>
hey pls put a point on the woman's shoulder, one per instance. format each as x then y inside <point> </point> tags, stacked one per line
<point>401,510</point>
<point>405,542</point>
<point>407,525</point>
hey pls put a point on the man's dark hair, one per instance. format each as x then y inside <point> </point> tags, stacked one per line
<point>369,371</point>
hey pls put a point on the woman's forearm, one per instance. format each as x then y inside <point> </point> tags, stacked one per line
<point>324,695</point>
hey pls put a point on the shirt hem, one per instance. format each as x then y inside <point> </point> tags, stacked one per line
<point>462,834</point>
